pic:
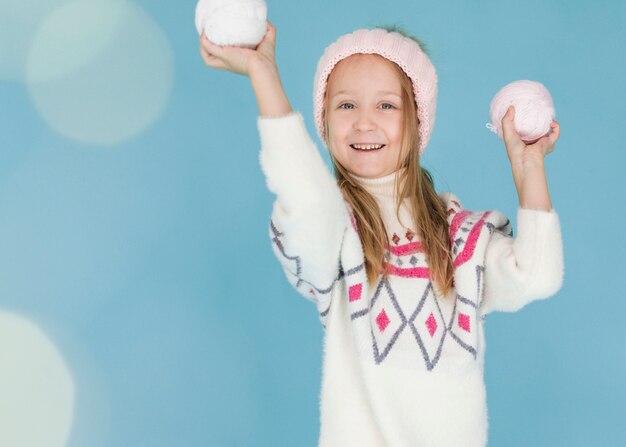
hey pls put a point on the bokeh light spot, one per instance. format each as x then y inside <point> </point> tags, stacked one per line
<point>108,78</point>
<point>37,389</point>
<point>19,21</point>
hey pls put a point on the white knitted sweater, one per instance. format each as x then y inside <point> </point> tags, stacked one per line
<point>402,366</point>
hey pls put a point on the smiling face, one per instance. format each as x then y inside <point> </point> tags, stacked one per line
<point>364,114</point>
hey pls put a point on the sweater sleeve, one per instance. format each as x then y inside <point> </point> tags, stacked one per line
<point>527,268</point>
<point>309,215</point>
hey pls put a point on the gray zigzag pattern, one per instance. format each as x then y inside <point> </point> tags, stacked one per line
<point>378,356</point>
<point>506,229</point>
<point>479,283</point>
<point>430,363</point>
<point>276,240</point>
<point>480,271</point>
<point>464,345</point>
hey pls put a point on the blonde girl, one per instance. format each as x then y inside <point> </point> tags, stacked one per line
<point>402,276</point>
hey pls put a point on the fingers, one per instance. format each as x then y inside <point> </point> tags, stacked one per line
<point>555,132</point>
<point>210,47</point>
<point>271,31</point>
<point>269,39</point>
<point>212,61</point>
<point>508,126</point>
<point>207,50</point>
<point>547,142</point>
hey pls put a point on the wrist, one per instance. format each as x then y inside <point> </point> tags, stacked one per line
<point>271,97</point>
<point>262,69</point>
<point>531,184</point>
<point>529,165</point>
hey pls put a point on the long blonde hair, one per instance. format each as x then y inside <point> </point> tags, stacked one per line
<point>415,183</point>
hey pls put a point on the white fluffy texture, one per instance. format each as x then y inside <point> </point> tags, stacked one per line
<point>240,23</point>
<point>289,157</point>
<point>534,109</point>
<point>528,268</point>
<point>397,402</point>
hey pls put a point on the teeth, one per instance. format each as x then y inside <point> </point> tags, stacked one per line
<point>367,147</point>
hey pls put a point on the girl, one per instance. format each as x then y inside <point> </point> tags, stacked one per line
<point>402,277</point>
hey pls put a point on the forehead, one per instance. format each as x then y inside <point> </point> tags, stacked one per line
<point>364,68</point>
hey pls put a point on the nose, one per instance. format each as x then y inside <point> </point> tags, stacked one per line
<point>364,121</point>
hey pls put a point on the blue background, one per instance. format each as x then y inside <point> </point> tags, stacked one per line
<point>147,261</point>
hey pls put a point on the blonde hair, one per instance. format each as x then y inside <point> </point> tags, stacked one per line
<point>414,183</point>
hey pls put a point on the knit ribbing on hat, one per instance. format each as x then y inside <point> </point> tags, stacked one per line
<point>401,50</point>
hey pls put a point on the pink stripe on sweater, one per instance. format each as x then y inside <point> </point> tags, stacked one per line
<point>457,221</point>
<point>472,239</point>
<point>406,249</point>
<point>414,272</point>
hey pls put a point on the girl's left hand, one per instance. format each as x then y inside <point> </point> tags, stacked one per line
<point>520,153</point>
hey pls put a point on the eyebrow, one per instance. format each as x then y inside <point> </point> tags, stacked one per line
<point>380,92</point>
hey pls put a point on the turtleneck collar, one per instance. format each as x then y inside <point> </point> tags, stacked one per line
<point>381,186</point>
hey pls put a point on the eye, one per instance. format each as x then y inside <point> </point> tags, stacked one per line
<point>391,106</point>
<point>350,106</point>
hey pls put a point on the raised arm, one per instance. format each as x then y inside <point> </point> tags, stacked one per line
<point>527,163</point>
<point>309,216</point>
<point>258,64</point>
<point>529,267</point>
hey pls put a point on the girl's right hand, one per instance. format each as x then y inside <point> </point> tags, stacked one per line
<point>241,60</point>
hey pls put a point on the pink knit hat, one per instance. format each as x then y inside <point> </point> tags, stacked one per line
<point>404,51</point>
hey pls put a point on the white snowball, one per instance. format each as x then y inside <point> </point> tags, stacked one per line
<point>232,22</point>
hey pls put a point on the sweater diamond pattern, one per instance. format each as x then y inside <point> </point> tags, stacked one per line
<point>431,324</point>
<point>424,323</point>
<point>418,324</point>
<point>385,303</point>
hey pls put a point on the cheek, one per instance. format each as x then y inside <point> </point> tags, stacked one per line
<point>337,128</point>
<point>338,152</point>
<point>333,137</point>
<point>395,126</point>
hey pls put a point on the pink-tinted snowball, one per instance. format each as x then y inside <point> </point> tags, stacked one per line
<point>534,109</point>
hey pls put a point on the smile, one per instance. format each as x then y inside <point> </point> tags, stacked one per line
<point>367,147</point>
